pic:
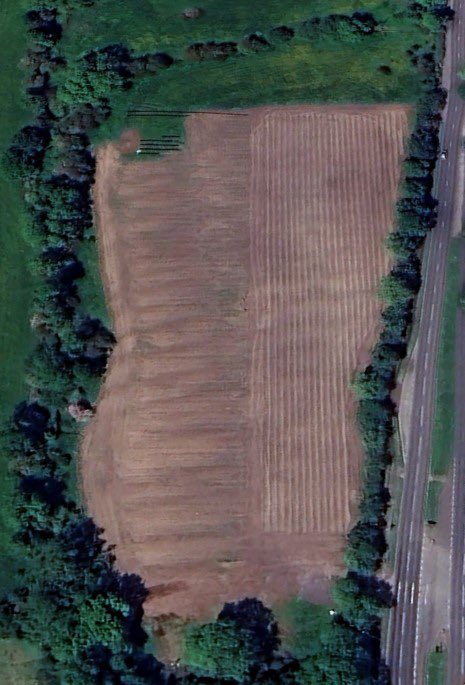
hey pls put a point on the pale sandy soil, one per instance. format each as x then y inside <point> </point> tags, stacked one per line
<point>241,273</point>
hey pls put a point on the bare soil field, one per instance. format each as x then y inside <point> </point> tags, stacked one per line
<point>241,273</point>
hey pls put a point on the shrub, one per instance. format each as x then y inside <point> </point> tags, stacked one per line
<point>218,649</point>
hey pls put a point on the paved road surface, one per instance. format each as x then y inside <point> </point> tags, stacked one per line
<point>403,630</point>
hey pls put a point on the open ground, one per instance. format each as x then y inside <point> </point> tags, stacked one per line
<point>241,273</point>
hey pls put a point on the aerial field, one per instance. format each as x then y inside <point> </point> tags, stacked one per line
<point>241,273</point>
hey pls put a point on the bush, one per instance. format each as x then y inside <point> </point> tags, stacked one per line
<point>218,649</point>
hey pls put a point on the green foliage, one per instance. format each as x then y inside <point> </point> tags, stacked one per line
<point>335,664</point>
<point>220,649</point>
<point>357,605</point>
<point>296,70</point>
<point>73,602</point>
<point>394,291</point>
<point>82,85</point>
<point>99,623</point>
<point>432,501</point>
<point>370,385</point>
<point>366,546</point>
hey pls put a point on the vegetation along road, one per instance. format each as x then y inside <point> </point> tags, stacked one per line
<point>402,650</point>
<point>456,656</point>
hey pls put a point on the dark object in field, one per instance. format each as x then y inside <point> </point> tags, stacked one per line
<point>340,26</point>
<point>364,22</point>
<point>96,343</point>
<point>27,150</point>
<point>159,59</point>
<point>43,22</point>
<point>115,57</point>
<point>38,84</point>
<point>256,41</point>
<point>251,615</point>
<point>385,69</point>
<point>151,62</point>
<point>82,410</point>
<point>83,118</point>
<point>163,59</point>
<point>193,13</point>
<point>283,32</point>
<point>443,12</point>
<point>211,50</point>
<point>49,490</point>
<point>31,419</point>
<point>81,541</point>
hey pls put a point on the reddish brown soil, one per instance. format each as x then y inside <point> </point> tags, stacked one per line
<point>241,273</point>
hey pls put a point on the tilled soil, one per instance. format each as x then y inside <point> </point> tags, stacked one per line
<point>241,273</point>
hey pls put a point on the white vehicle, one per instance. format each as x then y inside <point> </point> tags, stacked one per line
<point>443,154</point>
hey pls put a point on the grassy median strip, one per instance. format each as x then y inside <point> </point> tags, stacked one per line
<point>436,668</point>
<point>443,428</point>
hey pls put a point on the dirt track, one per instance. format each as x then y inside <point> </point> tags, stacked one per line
<point>241,274</point>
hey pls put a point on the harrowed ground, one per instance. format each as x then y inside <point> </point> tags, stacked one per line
<point>241,274</point>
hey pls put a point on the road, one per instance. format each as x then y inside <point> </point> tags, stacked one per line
<point>402,648</point>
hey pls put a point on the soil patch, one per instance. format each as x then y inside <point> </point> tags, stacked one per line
<point>223,460</point>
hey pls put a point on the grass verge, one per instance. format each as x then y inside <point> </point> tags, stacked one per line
<point>443,427</point>
<point>436,668</point>
<point>15,279</point>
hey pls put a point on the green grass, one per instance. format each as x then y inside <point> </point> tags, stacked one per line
<point>15,280</point>
<point>301,625</point>
<point>325,70</point>
<point>91,287</point>
<point>157,25</point>
<point>297,72</point>
<point>443,428</point>
<point>436,668</point>
<point>432,500</point>
<point>19,662</point>
<point>395,483</point>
